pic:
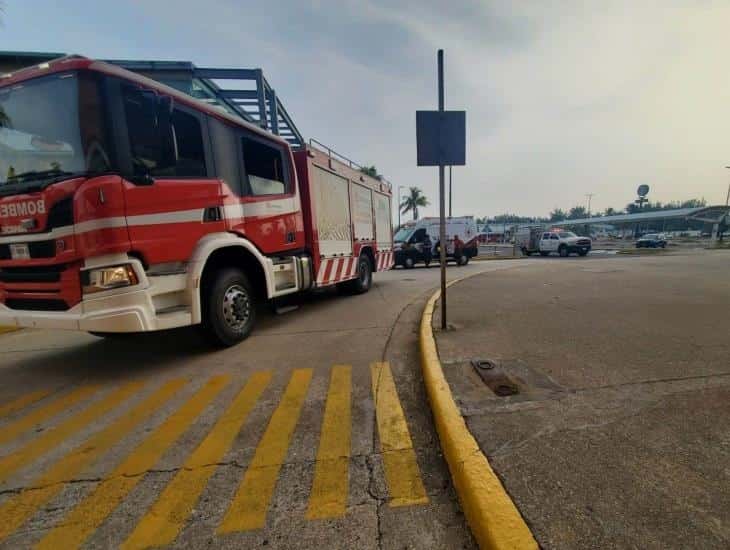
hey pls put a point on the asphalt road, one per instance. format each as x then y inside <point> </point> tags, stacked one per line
<point>314,433</point>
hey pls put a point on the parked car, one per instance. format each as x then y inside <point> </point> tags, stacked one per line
<point>652,240</point>
<point>564,243</point>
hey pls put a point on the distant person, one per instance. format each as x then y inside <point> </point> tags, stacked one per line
<point>458,245</point>
<point>427,249</point>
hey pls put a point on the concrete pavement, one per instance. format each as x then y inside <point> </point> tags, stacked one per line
<point>618,435</point>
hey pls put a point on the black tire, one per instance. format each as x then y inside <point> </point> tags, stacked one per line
<point>427,262</point>
<point>408,262</point>
<point>525,252</point>
<point>544,253</point>
<point>112,335</point>
<point>563,251</point>
<point>582,252</point>
<point>462,260</point>
<point>364,280</point>
<point>228,308</point>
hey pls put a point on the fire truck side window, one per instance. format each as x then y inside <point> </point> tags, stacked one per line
<point>225,153</point>
<point>146,147</point>
<point>265,169</point>
<point>190,150</point>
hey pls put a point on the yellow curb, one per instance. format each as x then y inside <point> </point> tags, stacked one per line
<point>493,518</point>
<point>3,330</point>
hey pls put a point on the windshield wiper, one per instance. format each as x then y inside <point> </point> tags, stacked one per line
<point>45,178</point>
<point>35,174</point>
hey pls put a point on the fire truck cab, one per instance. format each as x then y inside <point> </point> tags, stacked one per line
<point>128,206</point>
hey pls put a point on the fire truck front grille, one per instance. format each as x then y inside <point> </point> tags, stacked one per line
<point>35,304</point>
<point>42,274</point>
<point>40,249</point>
<point>41,288</point>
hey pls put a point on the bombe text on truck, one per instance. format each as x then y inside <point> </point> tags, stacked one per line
<point>128,206</point>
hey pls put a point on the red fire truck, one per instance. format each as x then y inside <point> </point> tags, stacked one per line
<point>128,206</point>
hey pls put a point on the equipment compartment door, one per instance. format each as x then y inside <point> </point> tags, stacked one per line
<point>331,204</point>
<point>362,213</point>
<point>383,230</point>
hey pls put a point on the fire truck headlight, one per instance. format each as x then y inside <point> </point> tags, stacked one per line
<point>107,278</point>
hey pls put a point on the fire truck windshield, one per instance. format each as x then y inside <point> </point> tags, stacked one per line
<point>51,127</point>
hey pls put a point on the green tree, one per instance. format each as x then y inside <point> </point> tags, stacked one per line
<point>412,201</point>
<point>577,212</point>
<point>557,215</point>
<point>610,211</point>
<point>371,171</point>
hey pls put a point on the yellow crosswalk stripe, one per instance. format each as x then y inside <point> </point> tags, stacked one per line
<point>49,439</point>
<point>22,425</point>
<point>331,484</point>
<point>19,508</point>
<point>22,402</point>
<point>162,523</point>
<point>399,459</point>
<point>250,504</point>
<point>94,509</point>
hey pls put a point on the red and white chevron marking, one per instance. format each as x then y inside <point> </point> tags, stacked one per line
<point>384,261</point>
<point>334,270</point>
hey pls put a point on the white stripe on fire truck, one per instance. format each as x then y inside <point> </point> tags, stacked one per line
<point>179,216</point>
<point>260,209</point>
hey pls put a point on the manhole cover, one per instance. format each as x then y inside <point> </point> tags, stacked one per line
<point>484,364</point>
<point>495,378</point>
<point>410,280</point>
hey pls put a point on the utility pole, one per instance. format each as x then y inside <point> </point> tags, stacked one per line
<point>450,197</point>
<point>727,198</point>
<point>590,196</point>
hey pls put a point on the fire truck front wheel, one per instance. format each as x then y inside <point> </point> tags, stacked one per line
<point>364,280</point>
<point>229,308</point>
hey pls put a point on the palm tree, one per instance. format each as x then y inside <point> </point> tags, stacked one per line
<point>412,201</point>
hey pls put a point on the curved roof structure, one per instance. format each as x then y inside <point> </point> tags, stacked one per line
<point>709,214</point>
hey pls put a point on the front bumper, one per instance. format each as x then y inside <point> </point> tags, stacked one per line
<point>157,303</point>
<point>127,312</point>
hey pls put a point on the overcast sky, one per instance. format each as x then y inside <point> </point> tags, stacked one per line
<point>562,99</point>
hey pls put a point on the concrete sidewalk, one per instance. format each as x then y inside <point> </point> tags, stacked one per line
<point>619,435</point>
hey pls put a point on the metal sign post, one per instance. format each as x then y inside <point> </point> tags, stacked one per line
<point>441,141</point>
<point>442,200</point>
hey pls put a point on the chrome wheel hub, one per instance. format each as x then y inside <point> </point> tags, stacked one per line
<point>236,308</point>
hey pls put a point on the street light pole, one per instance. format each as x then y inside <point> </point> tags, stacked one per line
<point>590,196</point>
<point>398,205</point>
<point>727,198</point>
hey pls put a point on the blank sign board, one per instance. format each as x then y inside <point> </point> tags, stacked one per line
<point>441,138</point>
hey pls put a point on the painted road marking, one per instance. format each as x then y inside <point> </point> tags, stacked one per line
<point>162,523</point>
<point>94,509</point>
<point>28,422</point>
<point>19,508</point>
<point>49,439</point>
<point>22,402</point>
<point>399,458</point>
<point>331,486</point>
<point>251,502</point>
<point>166,518</point>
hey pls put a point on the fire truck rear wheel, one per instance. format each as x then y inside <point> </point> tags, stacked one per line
<point>364,279</point>
<point>229,309</point>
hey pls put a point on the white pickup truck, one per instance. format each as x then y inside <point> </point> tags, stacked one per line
<point>531,240</point>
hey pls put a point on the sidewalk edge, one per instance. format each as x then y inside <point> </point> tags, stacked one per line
<point>493,518</point>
